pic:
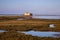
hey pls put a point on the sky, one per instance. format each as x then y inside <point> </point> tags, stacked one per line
<point>44,7</point>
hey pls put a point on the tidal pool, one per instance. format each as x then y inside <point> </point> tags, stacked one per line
<point>42,34</point>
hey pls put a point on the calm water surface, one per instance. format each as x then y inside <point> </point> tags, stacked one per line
<point>42,34</point>
<point>47,17</point>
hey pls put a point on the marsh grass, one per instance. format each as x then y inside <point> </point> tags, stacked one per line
<point>13,35</point>
<point>29,24</point>
<point>26,27</point>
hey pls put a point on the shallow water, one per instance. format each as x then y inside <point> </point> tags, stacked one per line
<point>42,34</point>
<point>47,17</point>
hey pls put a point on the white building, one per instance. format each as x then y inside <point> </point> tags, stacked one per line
<point>27,15</point>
